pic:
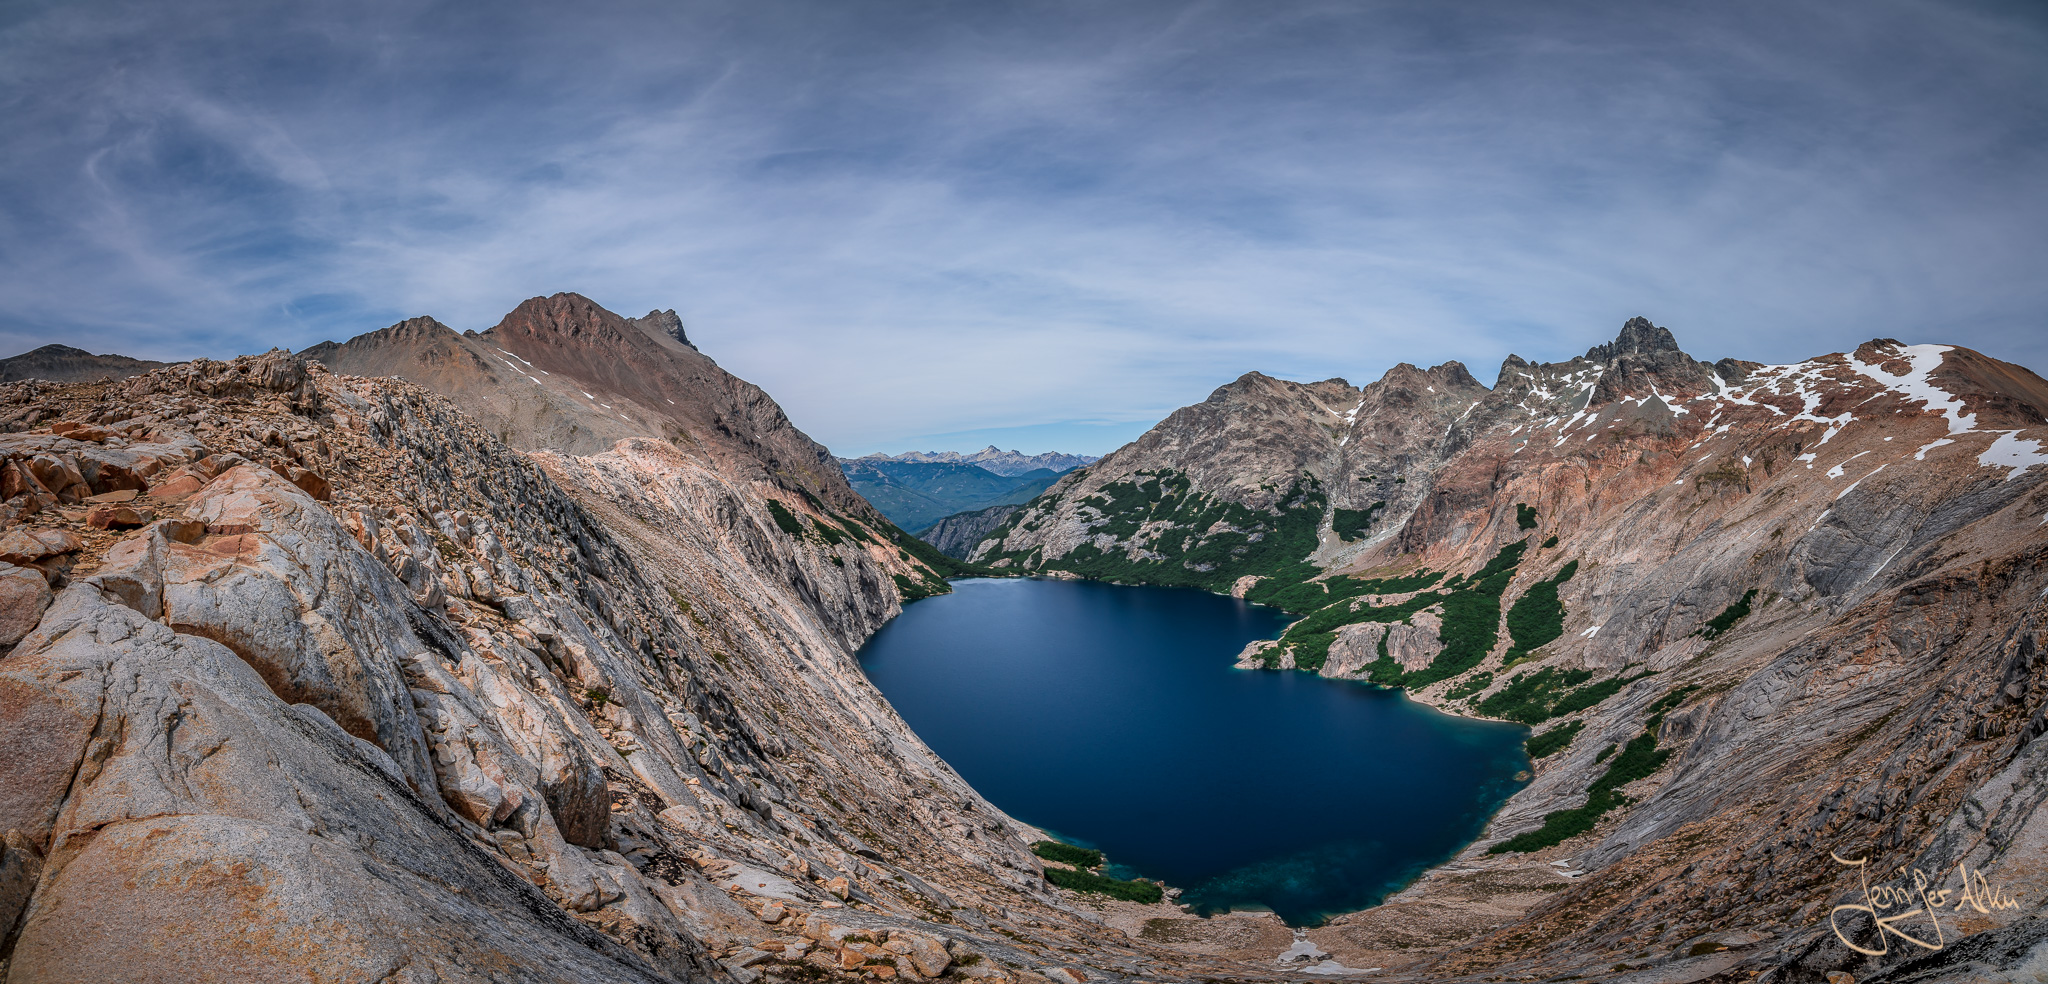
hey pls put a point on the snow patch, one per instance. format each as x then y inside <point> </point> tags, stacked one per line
<point>2014,452</point>
<point>1916,384</point>
<point>1921,455</point>
<point>1836,472</point>
<point>1595,630</point>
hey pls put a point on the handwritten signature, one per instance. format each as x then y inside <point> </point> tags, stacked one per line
<point>1977,893</point>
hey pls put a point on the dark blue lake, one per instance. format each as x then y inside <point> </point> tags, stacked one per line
<point>1112,716</point>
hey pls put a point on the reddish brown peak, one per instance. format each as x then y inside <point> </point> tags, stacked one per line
<point>2001,394</point>
<point>560,317</point>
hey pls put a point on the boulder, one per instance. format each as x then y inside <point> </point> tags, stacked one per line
<point>117,516</point>
<point>59,474</point>
<point>80,432</point>
<point>109,470</point>
<point>24,594</point>
<point>16,478</point>
<point>311,481</point>
<point>24,547</point>
<point>925,953</point>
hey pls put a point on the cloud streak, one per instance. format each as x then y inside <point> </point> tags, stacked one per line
<point>914,222</point>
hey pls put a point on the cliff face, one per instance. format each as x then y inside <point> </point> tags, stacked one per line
<point>1763,613</point>
<point>957,535</point>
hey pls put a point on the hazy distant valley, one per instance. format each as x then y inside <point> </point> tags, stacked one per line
<point>917,490</point>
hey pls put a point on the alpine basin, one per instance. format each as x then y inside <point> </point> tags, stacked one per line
<point>1112,715</point>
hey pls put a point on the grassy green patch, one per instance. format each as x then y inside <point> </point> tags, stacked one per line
<point>1668,703</point>
<point>1525,516</point>
<point>1079,857</point>
<point>1729,616</point>
<point>832,535</point>
<point>1550,541</point>
<point>1142,892</point>
<point>1553,741</point>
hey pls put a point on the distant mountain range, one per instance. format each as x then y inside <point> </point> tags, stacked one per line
<point>995,460</point>
<point>64,364</point>
<point>914,494</point>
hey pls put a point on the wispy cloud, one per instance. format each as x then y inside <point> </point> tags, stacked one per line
<point>917,222</point>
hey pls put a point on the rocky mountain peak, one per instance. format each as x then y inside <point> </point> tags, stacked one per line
<point>665,324</point>
<point>409,331</point>
<point>559,316</point>
<point>1638,337</point>
<point>1448,378</point>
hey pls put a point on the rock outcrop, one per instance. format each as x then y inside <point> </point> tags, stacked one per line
<point>957,535</point>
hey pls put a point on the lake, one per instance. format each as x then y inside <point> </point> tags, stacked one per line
<point>1111,716</point>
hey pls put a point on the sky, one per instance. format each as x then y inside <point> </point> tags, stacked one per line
<point>938,224</point>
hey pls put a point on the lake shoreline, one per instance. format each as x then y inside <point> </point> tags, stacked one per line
<point>1344,853</point>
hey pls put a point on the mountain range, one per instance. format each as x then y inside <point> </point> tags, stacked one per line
<point>62,363</point>
<point>527,654</point>
<point>1007,463</point>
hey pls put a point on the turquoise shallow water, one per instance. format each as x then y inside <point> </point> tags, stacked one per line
<point>1112,715</point>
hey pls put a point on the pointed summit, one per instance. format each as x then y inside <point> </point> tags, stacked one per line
<point>1638,337</point>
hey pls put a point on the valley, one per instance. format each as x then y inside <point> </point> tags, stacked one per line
<point>530,654</point>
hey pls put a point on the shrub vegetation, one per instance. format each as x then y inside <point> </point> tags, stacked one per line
<point>1553,741</point>
<point>1079,857</point>
<point>785,519</point>
<point>1639,758</point>
<point>1729,616</point>
<point>1352,524</point>
<point>1142,892</point>
<point>1538,616</point>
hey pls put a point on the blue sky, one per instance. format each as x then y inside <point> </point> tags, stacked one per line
<point>940,224</point>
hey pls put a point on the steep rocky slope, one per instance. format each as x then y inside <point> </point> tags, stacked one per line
<point>310,676</point>
<point>957,535</point>
<point>1759,614</point>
